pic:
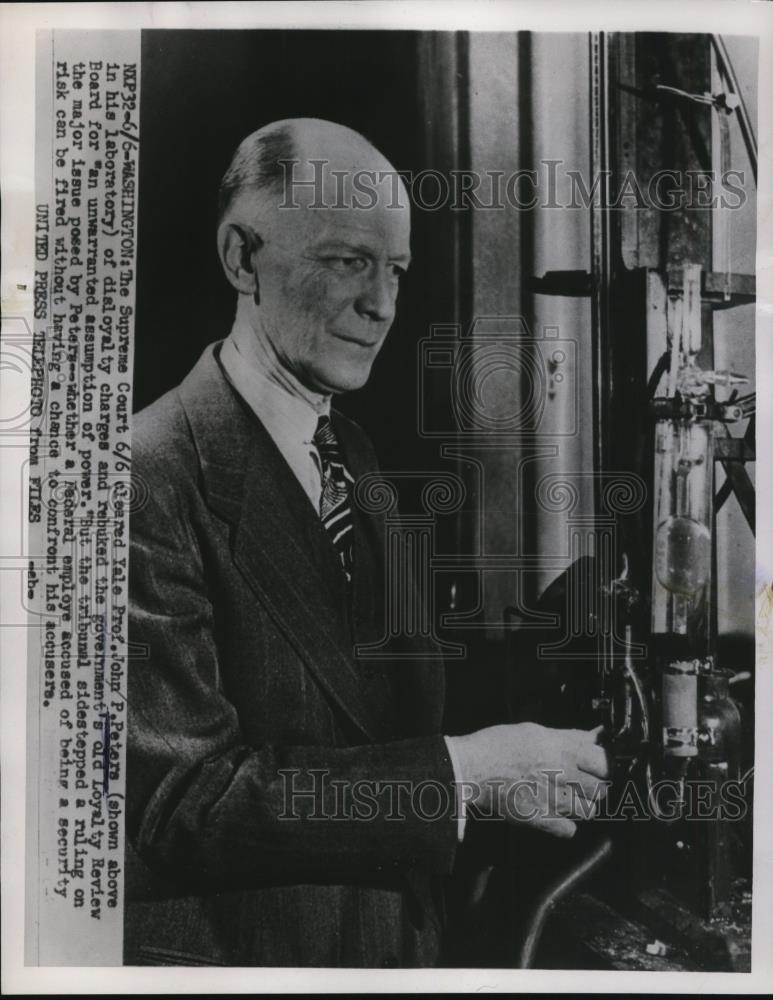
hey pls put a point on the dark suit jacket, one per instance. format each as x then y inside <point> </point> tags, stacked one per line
<point>243,684</point>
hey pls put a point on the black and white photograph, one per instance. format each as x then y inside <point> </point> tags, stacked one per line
<point>390,598</point>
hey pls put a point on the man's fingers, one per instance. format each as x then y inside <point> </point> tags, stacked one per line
<point>592,759</point>
<point>588,786</point>
<point>583,735</point>
<point>557,826</point>
<point>586,806</point>
<point>581,799</point>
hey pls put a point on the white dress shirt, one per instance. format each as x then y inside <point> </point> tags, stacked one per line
<point>287,410</point>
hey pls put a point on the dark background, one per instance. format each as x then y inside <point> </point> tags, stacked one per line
<point>202,92</point>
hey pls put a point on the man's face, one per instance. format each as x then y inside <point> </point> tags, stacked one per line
<point>328,283</point>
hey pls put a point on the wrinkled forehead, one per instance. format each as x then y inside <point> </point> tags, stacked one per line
<point>367,183</point>
<point>381,232</point>
<point>329,201</point>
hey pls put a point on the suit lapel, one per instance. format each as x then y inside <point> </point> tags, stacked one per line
<point>278,542</point>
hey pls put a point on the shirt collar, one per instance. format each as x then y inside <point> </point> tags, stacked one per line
<point>286,408</point>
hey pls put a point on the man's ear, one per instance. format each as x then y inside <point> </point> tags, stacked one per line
<point>237,246</point>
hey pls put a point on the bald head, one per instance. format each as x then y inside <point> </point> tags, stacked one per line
<point>308,163</point>
<point>257,164</point>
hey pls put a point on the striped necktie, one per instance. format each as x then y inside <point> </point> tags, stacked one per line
<point>335,506</point>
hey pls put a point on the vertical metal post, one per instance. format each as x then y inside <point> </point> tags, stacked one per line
<point>601,263</point>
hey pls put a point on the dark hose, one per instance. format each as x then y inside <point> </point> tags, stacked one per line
<point>554,894</point>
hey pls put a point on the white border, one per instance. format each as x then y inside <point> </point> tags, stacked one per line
<point>18,23</point>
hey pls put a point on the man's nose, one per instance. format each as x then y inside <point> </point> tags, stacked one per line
<point>377,296</point>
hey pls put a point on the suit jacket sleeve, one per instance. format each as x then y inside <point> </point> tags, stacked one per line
<point>208,807</point>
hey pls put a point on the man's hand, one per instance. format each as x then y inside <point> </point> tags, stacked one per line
<point>545,778</point>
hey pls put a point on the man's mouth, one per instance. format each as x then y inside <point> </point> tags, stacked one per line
<point>360,341</point>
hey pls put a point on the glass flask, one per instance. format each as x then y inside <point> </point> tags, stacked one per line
<point>684,480</point>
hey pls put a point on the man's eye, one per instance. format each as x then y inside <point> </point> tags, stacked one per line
<point>355,264</point>
<point>398,271</point>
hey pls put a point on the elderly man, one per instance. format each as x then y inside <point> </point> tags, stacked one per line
<point>263,819</point>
